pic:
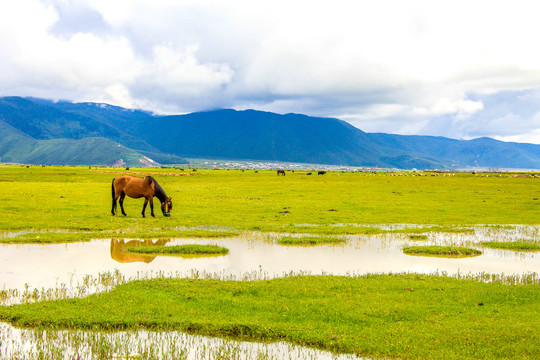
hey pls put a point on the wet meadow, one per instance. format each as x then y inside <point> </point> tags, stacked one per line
<point>306,263</point>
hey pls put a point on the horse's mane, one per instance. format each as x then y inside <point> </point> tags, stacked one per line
<point>160,193</point>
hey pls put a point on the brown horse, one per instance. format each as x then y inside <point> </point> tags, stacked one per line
<point>282,172</point>
<point>137,187</point>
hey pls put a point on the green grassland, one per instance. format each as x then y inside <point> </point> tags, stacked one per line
<point>388,316</point>
<point>79,199</point>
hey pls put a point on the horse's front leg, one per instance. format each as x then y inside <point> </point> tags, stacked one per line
<point>144,207</point>
<point>152,207</point>
<point>121,201</point>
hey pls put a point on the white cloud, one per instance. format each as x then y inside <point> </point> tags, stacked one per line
<point>446,105</point>
<point>532,136</point>
<point>394,66</point>
<point>181,74</point>
<point>119,95</point>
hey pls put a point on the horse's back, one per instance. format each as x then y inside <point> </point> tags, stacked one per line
<point>123,180</point>
<point>135,186</point>
<point>120,181</point>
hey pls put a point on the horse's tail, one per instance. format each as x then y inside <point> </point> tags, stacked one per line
<point>113,193</point>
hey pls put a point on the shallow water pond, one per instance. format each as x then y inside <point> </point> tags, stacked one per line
<point>254,255</point>
<point>36,344</point>
<point>76,266</point>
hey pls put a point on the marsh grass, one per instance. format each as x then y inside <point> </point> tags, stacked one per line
<point>446,251</point>
<point>78,199</point>
<point>67,236</point>
<point>383,316</point>
<point>105,281</point>
<point>395,316</point>
<point>19,344</point>
<point>418,237</point>
<point>512,245</point>
<point>187,249</point>
<point>311,240</point>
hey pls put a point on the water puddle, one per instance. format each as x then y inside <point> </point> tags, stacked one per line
<point>70,268</point>
<point>36,344</point>
<point>47,266</point>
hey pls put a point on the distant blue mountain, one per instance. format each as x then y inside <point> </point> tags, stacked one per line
<point>36,131</point>
<point>254,135</point>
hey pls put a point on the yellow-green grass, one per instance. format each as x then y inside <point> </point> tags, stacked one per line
<point>310,240</point>
<point>403,316</point>
<point>447,251</point>
<point>512,245</point>
<point>187,249</point>
<point>417,237</point>
<point>65,236</point>
<point>79,199</point>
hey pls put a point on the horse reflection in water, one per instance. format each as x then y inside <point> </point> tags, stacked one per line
<point>119,250</point>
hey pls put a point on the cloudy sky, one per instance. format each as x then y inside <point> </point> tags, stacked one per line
<point>460,69</point>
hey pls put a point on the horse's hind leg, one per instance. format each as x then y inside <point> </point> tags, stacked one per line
<point>121,201</point>
<point>114,197</point>
<point>144,207</point>
<point>113,205</point>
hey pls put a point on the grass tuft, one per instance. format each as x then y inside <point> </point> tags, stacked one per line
<point>418,237</point>
<point>512,245</point>
<point>451,251</point>
<point>310,240</point>
<point>189,249</point>
<point>68,236</point>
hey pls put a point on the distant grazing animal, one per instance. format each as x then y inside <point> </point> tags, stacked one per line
<point>282,172</point>
<point>308,174</point>
<point>321,173</point>
<point>137,187</point>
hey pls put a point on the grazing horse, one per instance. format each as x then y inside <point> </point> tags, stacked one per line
<point>137,187</point>
<point>281,172</point>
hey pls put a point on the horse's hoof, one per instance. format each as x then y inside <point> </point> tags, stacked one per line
<point>124,214</point>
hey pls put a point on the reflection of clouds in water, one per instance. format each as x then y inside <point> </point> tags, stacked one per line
<point>251,256</point>
<point>253,253</point>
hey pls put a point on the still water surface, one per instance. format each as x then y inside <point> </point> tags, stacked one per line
<point>46,266</point>
<point>251,256</point>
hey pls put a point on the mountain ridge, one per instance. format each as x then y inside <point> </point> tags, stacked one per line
<point>252,134</point>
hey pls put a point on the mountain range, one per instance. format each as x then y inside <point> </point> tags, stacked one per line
<point>39,131</point>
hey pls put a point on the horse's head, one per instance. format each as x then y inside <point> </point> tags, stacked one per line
<point>166,207</point>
